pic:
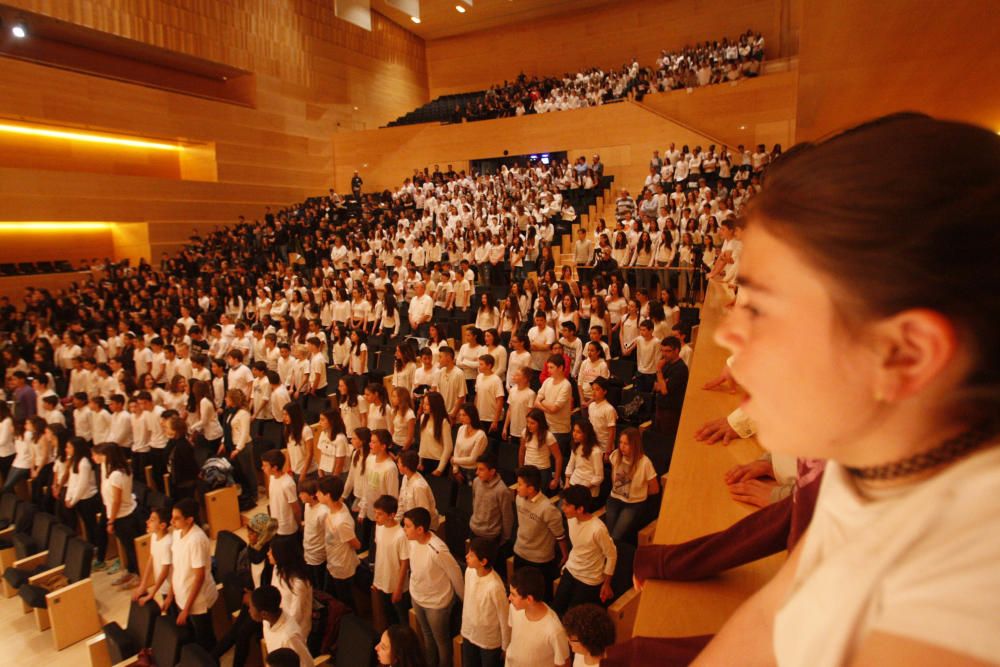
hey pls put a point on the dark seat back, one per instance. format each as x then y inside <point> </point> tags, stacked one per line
<point>79,556</point>
<point>193,655</point>
<point>168,640</point>
<point>621,580</point>
<point>8,505</point>
<point>228,546</point>
<point>443,489</point>
<point>26,544</point>
<point>355,642</point>
<point>137,635</point>
<point>58,544</point>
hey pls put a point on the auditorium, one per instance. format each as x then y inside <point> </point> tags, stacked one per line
<point>482,333</point>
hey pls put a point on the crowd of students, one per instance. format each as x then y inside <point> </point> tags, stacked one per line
<point>693,66</point>
<point>309,352</point>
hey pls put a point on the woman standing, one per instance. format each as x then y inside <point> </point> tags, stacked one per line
<point>81,492</point>
<point>119,517</point>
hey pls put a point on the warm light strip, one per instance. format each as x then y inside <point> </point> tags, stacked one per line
<point>53,226</point>
<point>92,138</point>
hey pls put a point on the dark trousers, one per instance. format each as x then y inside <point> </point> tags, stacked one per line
<point>396,612</point>
<point>240,636</point>
<point>139,462</point>
<point>572,592</point>
<point>475,656</point>
<point>158,459</point>
<point>247,474</point>
<point>342,589</point>
<point>127,528</point>
<point>38,487</point>
<point>88,510</point>
<point>200,625</point>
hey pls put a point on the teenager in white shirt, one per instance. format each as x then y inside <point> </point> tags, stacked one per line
<point>332,445</point>
<point>299,442</point>
<point>82,496</point>
<point>282,496</point>
<point>485,608</point>
<point>470,443</point>
<point>192,587</point>
<point>281,631</point>
<point>602,415</point>
<point>293,579</point>
<point>587,574</point>
<point>119,513</point>
<point>489,395</point>
<point>436,444</point>
<point>155,583</point>
<point>342,543</point>
<point>435,582</point>
<point>392,561</point>
<point>414,490</point>
<point>537,638</point>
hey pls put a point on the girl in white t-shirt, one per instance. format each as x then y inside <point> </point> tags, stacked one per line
<point>353,407</point>
<point>591,368</point>
<point>119,515</point>
<point>332,444</point>
<point>358,361</point>
<point>586,463</point>
<point>435,435</point>
<point>403,419</point>
<point>470,443</point>
<point>633,479</point>
<point>299,442</point>
<point>379,412</point>
<point>539,447</point>
<point>292,579</point>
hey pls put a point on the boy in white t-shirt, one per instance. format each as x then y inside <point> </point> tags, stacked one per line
<point>592,558</point>
<point>313,531</point>
<point>282,496</point>
<point>520,400</point>
<point>342,543</point>
<point>392,561</point>
<point>489,395</point>
<point>192,587</point>
<point>280,629</point>
<point>537,637</point>
<point>603,416</point>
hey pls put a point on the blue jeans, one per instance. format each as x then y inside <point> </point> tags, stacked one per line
<point>14,476</point>
<point>435,625</point>
<point>621,517</point>
<point>476,656</point>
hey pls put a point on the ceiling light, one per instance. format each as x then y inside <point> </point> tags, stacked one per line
<point>415,19</point>
<point>460,9</point>
<point>743,127</point>
<point>18,31</point>
<point>82,136</point>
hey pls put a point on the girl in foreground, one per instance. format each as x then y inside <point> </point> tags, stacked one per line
<point>866,333</point>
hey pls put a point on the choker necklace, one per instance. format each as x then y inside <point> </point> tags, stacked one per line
<point>945,453</point>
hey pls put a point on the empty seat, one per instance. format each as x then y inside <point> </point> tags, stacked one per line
<point>79,556</point>
<point>168,642</point>
<point>24,514</point>
<point>123,643</point>
<point>8,505</point>
<point>52,557</point>
<point>193,655</point>
<point>355,642</point>
<point>228,547</point>
<point>27,544</point>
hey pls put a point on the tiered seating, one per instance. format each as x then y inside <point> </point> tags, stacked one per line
<point>439,110</point>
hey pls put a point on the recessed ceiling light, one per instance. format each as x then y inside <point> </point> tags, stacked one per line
<point>18,31</point>
<point>743,127</point>
<point>415,19</point>
<point>355,108</point>
<point>460,9</point>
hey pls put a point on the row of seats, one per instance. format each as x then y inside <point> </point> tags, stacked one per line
<point>33,268</point>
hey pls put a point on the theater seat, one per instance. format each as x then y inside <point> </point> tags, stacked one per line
<point>123,643</point>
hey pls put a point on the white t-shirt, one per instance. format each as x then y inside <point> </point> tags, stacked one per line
<point>630,483</point>
<point>281,493</point>
<point>435,577</point>
<point>485,611</point>
<point>519,403</point>
<point>161,550</point>
<point>918,562</point>
<point>117,480</point>
<point>314,533</point>
<point>297,451</point>
<point>391,548</point>
<point>603,417</point>
<point>594,554</point>
<point>535,453</point>
<point>286,633</point>
<point>540,643</point>
<point>331,450</point>
<point>341,558</point>
<point>536,337</point>
<point>187,553</point>
<point>488,389</point>
<point>560,395</point>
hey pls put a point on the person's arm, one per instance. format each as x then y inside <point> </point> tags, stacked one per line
<point>410,428</point>
<point>610,551</point>
<point>502,606</point>
<point>747,637</point>
<point>557,454</point>
<point>116,503</point>
<point>448,563</point>
<point>404,573</point>
<point>499,408</point>
<point>505,433</point>
<point>522,449</point>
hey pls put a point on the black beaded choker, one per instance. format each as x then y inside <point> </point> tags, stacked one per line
<point>943,454</point>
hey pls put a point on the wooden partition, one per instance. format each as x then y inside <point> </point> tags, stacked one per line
<point>605,36</point>
<point>746,111</point>
<point>624,134</point>
<point>940,60</point>
<point>696,502</point>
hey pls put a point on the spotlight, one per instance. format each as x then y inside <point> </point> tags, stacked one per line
<point>460,9</point>
<point>18,31</point>
<point>415,19</point>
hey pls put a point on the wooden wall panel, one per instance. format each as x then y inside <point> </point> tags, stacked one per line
<point>604,36</point>
<point>748,111</point>
<point>942,62</point>
<point>624,134</point>
<point>54,245</point>
<point>315,75</point>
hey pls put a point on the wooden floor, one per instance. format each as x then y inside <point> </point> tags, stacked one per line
<point>24,646</point>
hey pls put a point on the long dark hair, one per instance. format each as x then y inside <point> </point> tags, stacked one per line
<point>438,412</point>
<point>363,434</point>
<point>289,562</point>
<point>297,423</point>
<point>405,647</point>
<point>81,450</point>
<point>114,458</point>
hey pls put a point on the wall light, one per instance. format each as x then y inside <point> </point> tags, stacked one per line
<point>18,31</point>
<point>415,19</point>
<point>53,226</point>
<point>81,136</point>
<point>460,9</point>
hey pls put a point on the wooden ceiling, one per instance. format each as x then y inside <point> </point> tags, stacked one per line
<point>439,18</point>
